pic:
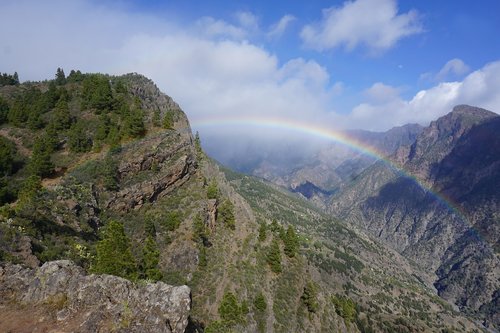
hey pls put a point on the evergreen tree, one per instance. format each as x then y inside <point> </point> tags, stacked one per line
<point>309,297</point>
<point>29,192</point>
<point>156,118</point>
<point>197,146</point>
<point>110,174</point>
<point>75,76</point>
<point>212,190</point>
<point>225,214</point>
<point>229,309</point>
<point>262,232</point>
<point>51,96</point>
<point>149,226</point>
<point>78,140</point>
<point>274,256</point>
<point>200,231</point>
<point>134,124</point>
<point>168,120</point>
<point>291,242</point>
<point>97,93</point>
<point>62,117</point>
<point>7,157</point>
<point>40,163</point>
<point>150,259</point>
<point>260,303</point>
<point>113,252</point>
<point>4,110</point>
<point>15,78</point>
<point>60,77</point>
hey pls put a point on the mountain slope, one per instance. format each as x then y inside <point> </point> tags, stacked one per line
<point>334,165</point>
<point>121,187</point>
<point>457,156</point>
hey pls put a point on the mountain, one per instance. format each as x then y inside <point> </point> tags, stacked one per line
<point>449,226</point>
<point>106,193</point>
<point>333,165</point>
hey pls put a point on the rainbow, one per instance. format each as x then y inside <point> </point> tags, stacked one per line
<point>335,136</point>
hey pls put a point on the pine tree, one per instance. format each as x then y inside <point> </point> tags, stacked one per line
<point>274,256</point>
<point>168,120</point>
<point>62,117</point>
<point>113,252</point>
<point>110,174</point>
<point>150,260</point>
<point>134,124</point>
<point>262,232</point>
<point>225,214</point>
<point>212,190</point>
<point>4,110</point>
<point>309,297</point>
<point>229,309</point>
<point>60,77</point>
<point>78,140</point>
<point>40,163</point>
<point>260,303</point>
<point>291,242</point>
<point>156,118</point>
<point>7,156</point>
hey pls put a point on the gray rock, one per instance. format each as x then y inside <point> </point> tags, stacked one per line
<point>96,302</point>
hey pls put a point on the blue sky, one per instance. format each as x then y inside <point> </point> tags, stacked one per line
<point>370,64</point>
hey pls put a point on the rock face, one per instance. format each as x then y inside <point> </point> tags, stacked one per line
<point>451,230</point>
<point>152,168</point>
<point>94,303</point>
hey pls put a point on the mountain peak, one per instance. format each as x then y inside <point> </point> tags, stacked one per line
<point>471,111</point>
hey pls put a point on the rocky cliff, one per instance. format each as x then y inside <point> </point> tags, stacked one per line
<point>72,301</point>
<point>449,225</point>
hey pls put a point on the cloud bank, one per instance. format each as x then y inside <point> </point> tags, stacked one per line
<point>374,24</point>
<point>220,73</point>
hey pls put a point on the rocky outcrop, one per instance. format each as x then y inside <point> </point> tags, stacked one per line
<point>211,214</point>
<point>151,168</point>
<point>94,303</point>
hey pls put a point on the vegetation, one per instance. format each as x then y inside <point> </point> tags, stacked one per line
<point>274,256</point>
<point>150,260</point>
<point>291,242</point>
<point>345,307</point>
<point>309,297</point>
<point>114,255</point>
<point>225,214</point>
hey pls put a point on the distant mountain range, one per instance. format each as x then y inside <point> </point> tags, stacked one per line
<point>451,226</point>
<point>437,202</point>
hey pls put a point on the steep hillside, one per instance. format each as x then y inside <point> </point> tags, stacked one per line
<point>334,165</point>
<point>104,171</point>
<point>451,230</point>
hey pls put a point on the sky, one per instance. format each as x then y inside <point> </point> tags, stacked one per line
<point>369,64</point>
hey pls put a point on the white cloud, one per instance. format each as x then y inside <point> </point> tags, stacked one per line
<point>479,88</point>
<point>248,20</point>
<point>210,27</point>
<point>453,68</point>
<point>374,24</point>
<point>279,28</point>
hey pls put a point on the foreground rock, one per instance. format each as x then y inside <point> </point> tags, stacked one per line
<point>75,302</point>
